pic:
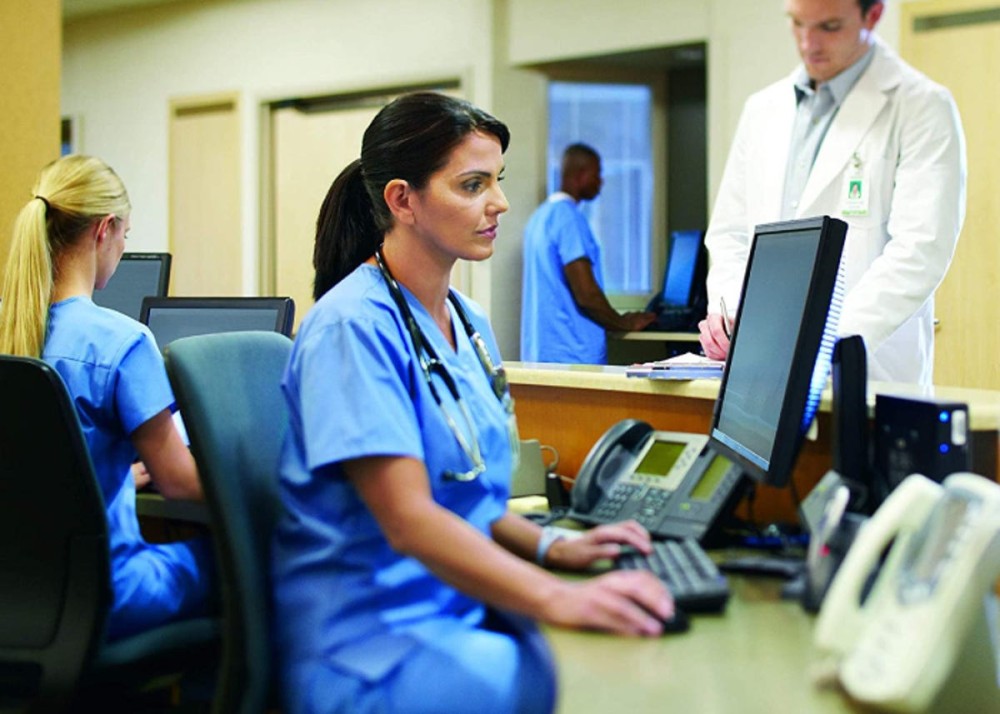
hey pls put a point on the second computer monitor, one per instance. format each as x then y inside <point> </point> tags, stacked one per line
<point>779,358</point>
<point>175,317</point>
<point>138,275</point>
<point>682,264</point>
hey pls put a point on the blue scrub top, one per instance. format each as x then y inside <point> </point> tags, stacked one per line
<point>553,328</point>
<point>355,389</point>
<point>114,374</point>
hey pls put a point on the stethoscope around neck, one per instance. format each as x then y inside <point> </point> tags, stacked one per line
<point>431,366</point>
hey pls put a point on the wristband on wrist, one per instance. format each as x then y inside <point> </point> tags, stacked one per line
<point>549,536</point>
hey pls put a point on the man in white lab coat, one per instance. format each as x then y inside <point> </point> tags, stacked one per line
<point>854,132</point>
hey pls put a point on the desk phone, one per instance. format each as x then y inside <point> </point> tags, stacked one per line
<point>928,628</point>
<point>673,483</point>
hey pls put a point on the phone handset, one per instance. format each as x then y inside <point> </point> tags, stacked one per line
<point>928,630</point>
<point>842,618</point>
<point>603,464</point>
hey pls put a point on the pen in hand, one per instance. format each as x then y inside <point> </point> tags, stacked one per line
<point>725,318</point>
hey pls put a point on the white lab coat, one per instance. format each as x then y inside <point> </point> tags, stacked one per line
<point>906,132</point>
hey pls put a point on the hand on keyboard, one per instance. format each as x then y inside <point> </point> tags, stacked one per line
<point>688,572</point>
<point>599,543</point>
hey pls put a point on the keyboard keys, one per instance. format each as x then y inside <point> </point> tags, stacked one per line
<point>685,568</point>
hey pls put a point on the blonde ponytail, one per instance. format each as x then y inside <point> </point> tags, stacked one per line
<point>27,285</point>
<point>70,194</point>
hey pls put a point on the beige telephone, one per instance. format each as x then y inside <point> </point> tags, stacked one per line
<point>927,634</point>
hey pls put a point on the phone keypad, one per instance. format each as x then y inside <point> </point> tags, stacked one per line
<point>616,500</point>
<point>652,508</point>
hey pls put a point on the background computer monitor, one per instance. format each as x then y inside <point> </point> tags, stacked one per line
<point>170,318</point>
<point>138,275</point>
<point>779,358</point>
<point>682,263</point>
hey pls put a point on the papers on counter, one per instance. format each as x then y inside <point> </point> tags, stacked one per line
<point>684,366</point>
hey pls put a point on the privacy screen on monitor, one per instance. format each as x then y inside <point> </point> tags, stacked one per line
<point>780,353</point>
<point>175,317</point>
<point>138,275</point>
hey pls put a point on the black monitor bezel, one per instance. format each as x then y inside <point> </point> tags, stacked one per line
<point>163,279</point>
<point>790,430</point>
<point>284,307</point>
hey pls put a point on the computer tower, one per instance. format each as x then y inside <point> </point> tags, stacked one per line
<point>920,435</point>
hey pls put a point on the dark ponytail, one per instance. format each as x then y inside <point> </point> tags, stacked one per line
<point>409,139</point>
<point>346,234</point>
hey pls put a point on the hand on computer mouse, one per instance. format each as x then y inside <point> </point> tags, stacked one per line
<point>624,602</point>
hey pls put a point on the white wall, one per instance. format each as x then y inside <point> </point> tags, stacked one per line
<point>120,70</point>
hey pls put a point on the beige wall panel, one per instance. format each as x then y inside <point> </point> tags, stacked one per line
<point>310,150</point>
<point>966,59</point>
<point>30,50</point>
<point>205,230</point>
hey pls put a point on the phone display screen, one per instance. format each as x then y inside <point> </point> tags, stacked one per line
<point>710,480</point>
<point>660,458</point>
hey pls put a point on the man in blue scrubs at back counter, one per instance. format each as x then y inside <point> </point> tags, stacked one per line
<point>564,311</point>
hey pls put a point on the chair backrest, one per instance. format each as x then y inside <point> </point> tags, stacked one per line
<point>228,389</point>
<point>55,583</point>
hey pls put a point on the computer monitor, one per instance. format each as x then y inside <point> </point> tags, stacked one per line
<point>682,262</point>
<point>170,318</point>
<point>137,275</point>
<point>781,348</point>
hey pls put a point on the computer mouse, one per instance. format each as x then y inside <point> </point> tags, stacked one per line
<point>678,623</point>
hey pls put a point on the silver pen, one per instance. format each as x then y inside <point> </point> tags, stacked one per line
<point>725,318</point>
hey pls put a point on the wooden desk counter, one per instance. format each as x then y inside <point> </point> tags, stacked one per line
<point>571,406</point>
<point>755,658</point>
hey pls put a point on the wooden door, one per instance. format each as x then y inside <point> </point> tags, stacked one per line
<point>311,141</point>
<point>205,217</point>
<point>957,43</point>
<point>309,150</point>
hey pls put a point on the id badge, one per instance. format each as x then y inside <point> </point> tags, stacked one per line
<point>856,188</point>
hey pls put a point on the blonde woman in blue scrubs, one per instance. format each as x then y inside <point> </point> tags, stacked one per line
<point>401,581</point>
<point>68,239</point>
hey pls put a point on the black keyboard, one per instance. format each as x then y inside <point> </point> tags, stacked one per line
<point>674,319</point>
<point>685,568</point>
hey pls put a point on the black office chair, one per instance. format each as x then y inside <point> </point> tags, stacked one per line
<point>55,583</point>
<point>228,389</point>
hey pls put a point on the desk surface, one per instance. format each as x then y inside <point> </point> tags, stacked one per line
<point>154,505</point>
<point>756,657</point>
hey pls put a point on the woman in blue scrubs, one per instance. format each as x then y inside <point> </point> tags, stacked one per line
<point>67,242</point>
<point>401,581</point>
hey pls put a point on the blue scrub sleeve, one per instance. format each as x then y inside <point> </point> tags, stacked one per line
<point>357,403</point>
<point>572,234</point>
<point>140,384</point>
